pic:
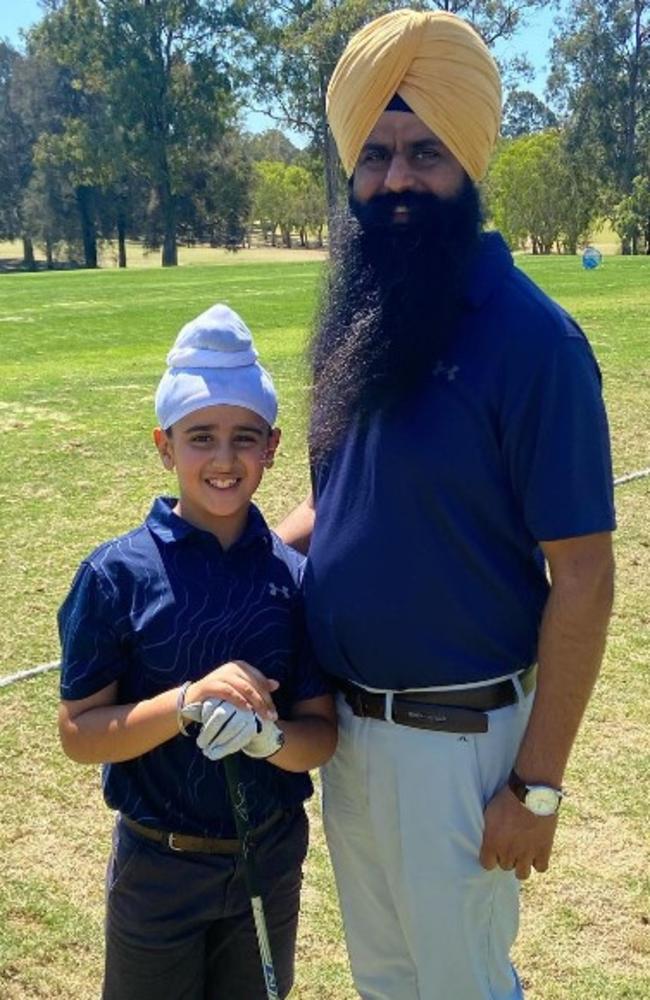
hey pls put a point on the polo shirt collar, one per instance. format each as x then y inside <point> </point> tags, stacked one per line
<point>170,528</point>
<point>492,263</point>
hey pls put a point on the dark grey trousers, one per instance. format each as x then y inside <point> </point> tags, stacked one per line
<point>179,926</point>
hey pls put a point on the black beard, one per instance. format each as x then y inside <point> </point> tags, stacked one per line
<point>392,302</point>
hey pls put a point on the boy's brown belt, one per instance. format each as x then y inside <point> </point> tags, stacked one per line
<point>201,845</point>
<point>460,710</point>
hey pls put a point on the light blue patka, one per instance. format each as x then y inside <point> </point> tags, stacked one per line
<point>213,362</point>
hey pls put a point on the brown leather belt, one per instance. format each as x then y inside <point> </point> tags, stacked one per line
<point>460,710</point>
<point>200,845</point>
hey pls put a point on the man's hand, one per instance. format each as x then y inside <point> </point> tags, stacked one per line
<point>224,728</point>
<point>514,838</point>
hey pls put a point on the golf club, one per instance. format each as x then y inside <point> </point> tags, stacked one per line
<point>237,792</point>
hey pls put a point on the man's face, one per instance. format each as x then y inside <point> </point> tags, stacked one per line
<point>403,154</point>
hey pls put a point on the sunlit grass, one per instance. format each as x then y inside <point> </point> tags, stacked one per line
<point>80,355</point>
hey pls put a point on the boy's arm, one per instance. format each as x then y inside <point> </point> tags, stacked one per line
<point>296,529</point>
<point>309,735</point>
<point>95,730</point>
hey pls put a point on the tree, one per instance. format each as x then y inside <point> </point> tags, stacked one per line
<point>170,86</point>
<point>217,202</point>
<point>271,145</point>
<point>69,109</point>
<point>537,193</point>
<point>288,52</point>
<point>15,154</point>
<point>631,216</point>
<point>288,198</point>
<point>51,216</point>
<point>524,113</point>
<point>270,196</point>
<point>601,79</point>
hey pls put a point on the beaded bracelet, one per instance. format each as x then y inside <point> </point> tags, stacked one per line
<point>180,705</point>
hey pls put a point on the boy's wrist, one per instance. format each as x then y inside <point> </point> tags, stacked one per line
<point>181,699</point>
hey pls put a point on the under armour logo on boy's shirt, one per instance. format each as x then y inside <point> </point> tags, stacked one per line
<point>449,370</point>
<point>274,590</point>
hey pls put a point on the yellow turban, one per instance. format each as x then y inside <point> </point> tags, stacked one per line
<point>438,64</point>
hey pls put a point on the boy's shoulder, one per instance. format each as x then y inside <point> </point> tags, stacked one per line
<point>130,551</point>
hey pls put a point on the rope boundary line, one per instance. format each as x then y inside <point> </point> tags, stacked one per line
<point>44,668</point>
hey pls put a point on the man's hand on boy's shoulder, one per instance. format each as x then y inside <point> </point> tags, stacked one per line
<point>239,683</point>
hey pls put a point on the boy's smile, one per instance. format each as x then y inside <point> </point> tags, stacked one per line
<point>219,453</point>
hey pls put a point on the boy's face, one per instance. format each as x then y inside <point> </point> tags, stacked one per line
<point>219,454</point>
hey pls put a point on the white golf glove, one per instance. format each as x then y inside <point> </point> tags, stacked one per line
<point>269,740</point>
<point>224,728</point>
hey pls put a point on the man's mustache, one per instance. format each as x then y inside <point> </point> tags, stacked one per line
<point>404,210</point>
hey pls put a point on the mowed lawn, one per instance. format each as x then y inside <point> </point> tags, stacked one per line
<point>80,356</point>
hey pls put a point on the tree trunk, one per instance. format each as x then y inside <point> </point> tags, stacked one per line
<point>168,214</point>
<point>86,207</point>
<point>331,175</point>
<point>121,238</point>
<point>49,256</point>
<point>28,254</point>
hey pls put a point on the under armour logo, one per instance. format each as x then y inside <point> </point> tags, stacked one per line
<point>450,371</point>
<point>274,590</point>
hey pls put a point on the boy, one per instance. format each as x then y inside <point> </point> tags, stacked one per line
<point>196,615</point>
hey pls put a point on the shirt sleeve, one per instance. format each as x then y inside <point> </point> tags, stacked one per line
<point>556,443</point>
<point>92,653</point>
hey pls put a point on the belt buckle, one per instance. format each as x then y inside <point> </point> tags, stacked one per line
<point>171,845</point>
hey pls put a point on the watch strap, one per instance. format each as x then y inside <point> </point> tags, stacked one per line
<point>520,787</point>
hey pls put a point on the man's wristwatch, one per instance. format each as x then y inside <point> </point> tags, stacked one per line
<point>541,800</point>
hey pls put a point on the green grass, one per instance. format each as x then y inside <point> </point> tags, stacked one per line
<point>80,356</point>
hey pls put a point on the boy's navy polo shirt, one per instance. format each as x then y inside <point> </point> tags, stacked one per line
<point>164,604</point>
<point>424,567</point>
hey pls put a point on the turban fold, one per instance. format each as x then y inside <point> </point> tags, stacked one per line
<point>214,361</point>
<point>438,64</point>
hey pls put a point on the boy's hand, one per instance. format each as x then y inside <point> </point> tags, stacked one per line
<point>243,685</point>
<point>224,728</point>
<point>268,740</point>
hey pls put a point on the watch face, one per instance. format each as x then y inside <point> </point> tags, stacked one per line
<point>542,801</point>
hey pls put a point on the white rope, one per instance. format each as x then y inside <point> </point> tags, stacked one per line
<point>32,672</point>
<point>45,667</point>
<point>630,476</point>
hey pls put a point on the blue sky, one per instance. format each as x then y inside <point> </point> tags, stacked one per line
<point>533,41</point>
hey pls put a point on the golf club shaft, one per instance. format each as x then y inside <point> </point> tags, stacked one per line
<point>237,792</point>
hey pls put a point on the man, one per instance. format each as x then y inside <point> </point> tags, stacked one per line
<point>459,450</point>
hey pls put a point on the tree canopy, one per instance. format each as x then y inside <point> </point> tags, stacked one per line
<point>123,118</point>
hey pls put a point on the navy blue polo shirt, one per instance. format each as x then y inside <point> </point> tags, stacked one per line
<point>165,604</point>
<point>424,567</point>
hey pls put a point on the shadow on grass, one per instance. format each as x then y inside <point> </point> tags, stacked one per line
<point>16,265</point>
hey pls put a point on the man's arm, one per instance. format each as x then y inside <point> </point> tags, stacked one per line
<point>296,529</point>
<point>571,647</point>
<point>310,735</point>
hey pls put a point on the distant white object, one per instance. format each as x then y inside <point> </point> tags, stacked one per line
<point>591,258</point>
